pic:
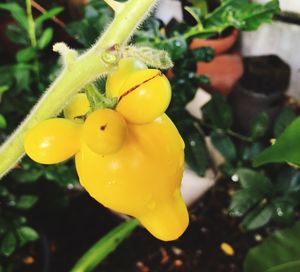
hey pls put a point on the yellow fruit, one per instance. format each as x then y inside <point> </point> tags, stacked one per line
<point>53,141</point>
<point>142,178</point>
<point>77,107</point>
<point>116,79</point>
<point>104,131</point>
<point>144,96</point>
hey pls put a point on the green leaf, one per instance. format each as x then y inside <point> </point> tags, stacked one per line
<point>250,17</point>
<point>201,4</point>
<point>243,200</point>
<point>252,179</point>
<point>278,253</point>
<point>260,125</point>
<point>195,12</point>
<point>205,54</point>
<point>28,175</point>
<point>27,234</point>
<point>227,169</point>
<point>26,201</point>
<point>224,145</point>
<point>22,77</point>
<point>26,54</point>
<point>176,47</point>
<point>249,152</point>
<point>286,116</point>
<point>203,79</point>
<point>17,35</point>
<point>218,112</point>
<point>8,244</point>
<point>3,89</point>
<point>284,210</point>
<point>3,123</point>
<point>48,15</point>
<point>196,153</point>
<point>258,217</point>
<point>241,15</point>
<point>286,148</point>
<point>288,181</point>
<point>98,252</point>
<point>17,12</point>
<point>46,38</point>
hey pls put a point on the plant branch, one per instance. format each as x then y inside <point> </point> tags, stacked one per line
<point>227,131</point>
<point>74,76</point>
<point>31,24</point>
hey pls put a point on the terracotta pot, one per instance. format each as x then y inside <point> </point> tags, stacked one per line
<point>220,45</point>
<point>224,71</point>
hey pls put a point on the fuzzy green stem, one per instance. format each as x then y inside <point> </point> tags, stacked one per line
<point>98,100</point>
<point>76,75</point>
<point>31,24</point>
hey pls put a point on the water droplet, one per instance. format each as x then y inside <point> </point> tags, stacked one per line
<point>111,182</point>
<point>235,178</point>
<point>70,186</point>
<point>204,230</point>
<point>235,213</point>
<point>279,212</point>
<point>258,237</point>
<point>151,204</point>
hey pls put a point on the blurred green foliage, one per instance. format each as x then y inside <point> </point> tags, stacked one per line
<point>279,252</point>
<point>260,195</point>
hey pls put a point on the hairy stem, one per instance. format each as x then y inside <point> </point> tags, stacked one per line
<point>76,74</point>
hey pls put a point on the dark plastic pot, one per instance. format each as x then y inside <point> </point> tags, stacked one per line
<point>261,89</point>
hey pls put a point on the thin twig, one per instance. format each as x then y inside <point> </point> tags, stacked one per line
<point>41,9</point>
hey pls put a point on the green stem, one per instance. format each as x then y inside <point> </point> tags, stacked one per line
<point>239,136</point>
<point>77,73</point>
<point>202,4</point>
<point>226,131</point>
<point>98,100</point>
<point>99,251</point>
<point>32,35</point>
<point>31,24</point>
